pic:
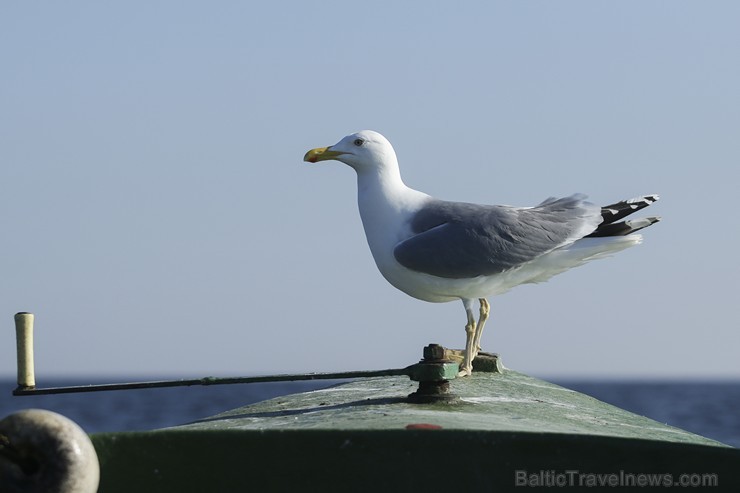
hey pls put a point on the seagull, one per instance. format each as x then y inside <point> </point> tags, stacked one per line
<point>439,251</point>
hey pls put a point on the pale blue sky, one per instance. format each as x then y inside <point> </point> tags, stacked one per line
<point>157,217</point>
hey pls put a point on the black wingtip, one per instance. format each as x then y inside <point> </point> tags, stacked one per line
<point>612,214</point>
<point>615,212</point>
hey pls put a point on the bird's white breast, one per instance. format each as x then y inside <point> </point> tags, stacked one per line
<point>386,210</point>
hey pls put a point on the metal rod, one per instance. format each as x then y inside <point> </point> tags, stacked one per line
<point>21,391</point>
<point>27,381</point>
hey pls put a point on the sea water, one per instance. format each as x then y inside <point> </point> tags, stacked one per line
<point>707,408</point>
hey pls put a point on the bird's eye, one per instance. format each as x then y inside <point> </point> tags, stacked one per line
<point>358,142</point>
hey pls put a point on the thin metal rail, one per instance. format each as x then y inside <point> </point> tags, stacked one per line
<point>27,378</point>
<point>22,391</point>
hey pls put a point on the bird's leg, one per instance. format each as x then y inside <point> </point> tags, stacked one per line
<point>466,367</point>
<point>485,309</point>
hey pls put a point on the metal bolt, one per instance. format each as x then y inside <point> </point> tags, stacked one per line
<point>434,352</point>
<point>433,374</point>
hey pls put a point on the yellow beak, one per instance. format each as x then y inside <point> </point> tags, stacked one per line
<point>321,154</point>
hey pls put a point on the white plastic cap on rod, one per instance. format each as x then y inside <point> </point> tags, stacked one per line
<point>24,342</point>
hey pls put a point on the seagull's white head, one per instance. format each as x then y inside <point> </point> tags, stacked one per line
<point>364,151</point>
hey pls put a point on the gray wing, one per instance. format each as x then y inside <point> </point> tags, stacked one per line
<point>459,240</point>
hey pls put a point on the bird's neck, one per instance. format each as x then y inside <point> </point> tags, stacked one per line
<point>385,180</point>
<point>380,189</point>
<point>385,202</point>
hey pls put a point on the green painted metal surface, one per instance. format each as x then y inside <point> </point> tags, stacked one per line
<point>492,402</point>
<point>364,436</point>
